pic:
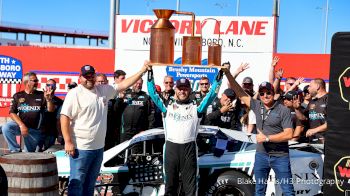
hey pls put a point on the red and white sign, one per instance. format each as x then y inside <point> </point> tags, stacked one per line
<point>237,34</point>
<point>244,39</point>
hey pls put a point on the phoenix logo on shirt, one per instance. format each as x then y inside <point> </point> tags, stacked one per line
<point>140,103</point>
<point>316,116</point>
<point>26,108</point>
<point>179,117</point>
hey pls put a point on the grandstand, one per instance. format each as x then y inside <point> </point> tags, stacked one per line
<point>16,34</point>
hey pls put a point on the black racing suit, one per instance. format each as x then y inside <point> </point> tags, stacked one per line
<point>137,115</point>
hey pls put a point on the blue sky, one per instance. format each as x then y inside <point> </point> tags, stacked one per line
<point>301,22</point>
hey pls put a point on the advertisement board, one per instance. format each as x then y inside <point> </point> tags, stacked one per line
<point>61,64</point>
<point>243,39</point>
<point>337,156</point>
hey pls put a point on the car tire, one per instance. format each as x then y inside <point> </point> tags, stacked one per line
<point>231,183</point>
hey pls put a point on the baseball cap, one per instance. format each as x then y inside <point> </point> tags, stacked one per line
<point>183,82</point>
<point>230,93</point>
<point>267,85</point>
<point>290,95</point>
<point>247,80</point>
<point>87,69</point>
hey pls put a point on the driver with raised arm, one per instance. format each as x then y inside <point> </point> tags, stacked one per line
<point>181,119</point>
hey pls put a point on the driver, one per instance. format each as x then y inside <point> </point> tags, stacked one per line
<point>181,118</point>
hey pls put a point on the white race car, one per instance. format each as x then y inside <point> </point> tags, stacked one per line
<point>137,165</point>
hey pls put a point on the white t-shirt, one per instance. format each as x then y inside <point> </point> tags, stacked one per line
<point>251,121</point>
<point>87,110</point>
<point>251,118</point>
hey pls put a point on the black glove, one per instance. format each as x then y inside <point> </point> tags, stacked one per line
<point>221,73</point>
<point>150,75</point>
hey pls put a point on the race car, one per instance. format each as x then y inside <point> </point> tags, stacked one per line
<point>136,165</point>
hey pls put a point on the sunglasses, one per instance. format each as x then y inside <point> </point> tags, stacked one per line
<point>51,85</point>
<point>36,80</point>
<point>89,77</point>
<point>288,99</point>
<point>204,84</point>
<point>290,84</point>
<point>168,82</point>
<point>263,93</point>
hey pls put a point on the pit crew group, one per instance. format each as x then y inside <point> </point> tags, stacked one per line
<point>95,117</point>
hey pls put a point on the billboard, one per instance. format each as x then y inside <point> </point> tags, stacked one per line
<point>243,39</point>
<point>61,64</point>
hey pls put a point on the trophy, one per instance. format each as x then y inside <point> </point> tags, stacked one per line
<point>162,43</point>
<point>214,49</point>
<point>162,38</point>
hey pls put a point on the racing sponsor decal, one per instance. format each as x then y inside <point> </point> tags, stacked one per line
<point>342,173</point>
<point>106,178</point>
<point>194,74</point>
<point>344,86</point>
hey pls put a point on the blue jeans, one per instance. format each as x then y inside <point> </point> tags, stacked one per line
<point>46,142</point>
<point>84,170</point>
<point>280,165</point>
<point>11,129</point>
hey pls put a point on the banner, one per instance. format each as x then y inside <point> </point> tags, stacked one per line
<point>61,64</point>
<point>10,70</point>
<point>337,153</point>
<point>243,39</point>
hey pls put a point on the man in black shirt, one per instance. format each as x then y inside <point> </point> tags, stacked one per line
<point>289,100</point>
<point>316,111</point>
<point>225,111</point>
<point>26,111</point>
<point>137,115</point>
<point>51,119</point>
<point>114,115</point>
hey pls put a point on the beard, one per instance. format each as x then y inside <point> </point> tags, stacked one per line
<point>137,90</point>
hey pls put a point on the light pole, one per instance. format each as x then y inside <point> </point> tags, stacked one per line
<point>326,28</point>
<point>0,15</point>
<point>237,8</point>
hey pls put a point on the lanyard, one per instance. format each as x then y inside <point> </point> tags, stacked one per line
<point>263,118</point>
